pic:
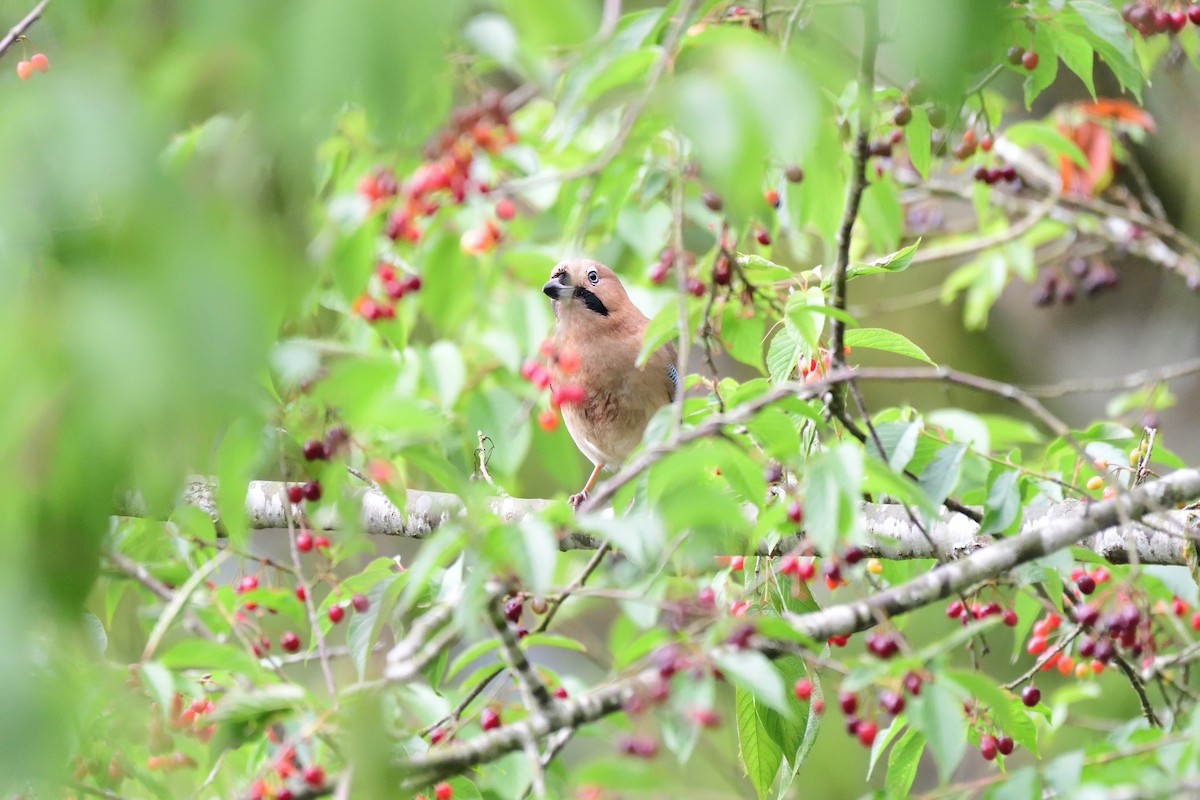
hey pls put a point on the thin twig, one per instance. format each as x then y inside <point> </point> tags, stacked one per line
<point>17,31</point>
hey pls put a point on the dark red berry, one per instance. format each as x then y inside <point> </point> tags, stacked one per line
<point>312,490</point>
<point>912,683</point>
<point>763,236</point>
<point>954,609</point>
<point>712,200</point>
<point>1030,60</point>
<point>560,692</point>
<point>1031,696</point>
<point>360,602</point>
<point>1086,584</point>
<point>314,450</point>
<point>1010,617</point>
<point>695,286</point>
<point>295,493</point>
<point>853,554</point>
<point>892,702</point>
<point>304,541</point>
<point>903,116</point>
<point>289,642</point>
<point>1005,745</point>
<point>512,609</point>
<point>848,702</point>
<point>866,732</point>
<point>795,512</point>
<point>988,746</point>
<point>336,613</point>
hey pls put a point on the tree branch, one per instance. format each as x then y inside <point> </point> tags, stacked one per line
<point>19,29</point>
<point>843,619</point>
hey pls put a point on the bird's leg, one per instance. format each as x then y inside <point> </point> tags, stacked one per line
<point>576,499</point>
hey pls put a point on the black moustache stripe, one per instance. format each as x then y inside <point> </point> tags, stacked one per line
<point>591,301</point>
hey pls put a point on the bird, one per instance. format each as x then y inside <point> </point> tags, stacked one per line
<point>596,320</point>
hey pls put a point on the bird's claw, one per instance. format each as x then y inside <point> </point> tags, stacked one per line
<point>576,499</point>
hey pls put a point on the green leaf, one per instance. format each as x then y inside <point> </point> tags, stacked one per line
<point>743,338</point>
<point>832,496</point>
<point>468,656</point>
<point>1045,135</point>
<point>917,135</point>
<point>882,214</point>
<point>1003,507</point>
<point>940,474</point>
<point>782,354</point>
<point>896,262</point>
<point>759,271</point>
<point>939,715</point>
<point>760,754</point>
<point>903,762</point>
<point>889,341</point>
<point>664,327</point>
<point>752,671</point>
<point>1078,55</point>
<point>210,656</point>
<point>1104,28</point>
<point>1047,69</point>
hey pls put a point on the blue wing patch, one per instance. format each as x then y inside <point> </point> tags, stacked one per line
<point>673,374</point>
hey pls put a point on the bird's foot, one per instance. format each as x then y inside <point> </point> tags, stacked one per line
<point>576,499</point>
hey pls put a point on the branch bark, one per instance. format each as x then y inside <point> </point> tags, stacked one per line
<point>843,619</point>
<point>19,29</point>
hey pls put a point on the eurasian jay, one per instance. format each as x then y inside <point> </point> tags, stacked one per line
<point>597,321</point>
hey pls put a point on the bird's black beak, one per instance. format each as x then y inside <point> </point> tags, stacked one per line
<point>558,286</point>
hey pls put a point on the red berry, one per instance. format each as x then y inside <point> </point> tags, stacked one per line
<point>321,542</point>
<point>489,718</point>
<point>695,286</point>
<point>506,209</point>
<point>848,702</point>
<point>304,541</point>
<point>529,369</point>
<point>1010,617</point>
<point>295,493</point>
<point>1100,574</point>
<point>795,511</point>
<point>1031,696</point>
<point>443,791</point>
<point>437,735</point>
<point>1086,584</point>
<point>712,200</point>
<point>803,689</point>
<point>892,702</point>
<point>248,583</point>
<point>547,420</point>
<point>866,732</point>
<point>568,361</point>
<point>763,237</point>
<point>853,554</point>
<point>1176,20</point>
<point>394,289</point>
<point>312,490</point>
<point>284,793</point>
<point>385,271</point>
<point>737,563</point>
<point>988,746</point>
<point>289,642</point>
<point>314,450</point>
<point>912,683</point>
<point>336,613</point>
<point>24,70</point>
<point>360,602</point>
<point>1194,15</point>
<point>513,607</point>
<point>1036,645</point>
<point>1030,60</point>
<point>560,692</point>
<point>301,594</point>
<point>570,394</point>
<point>39,62</point>
<point>314,775</point>
<point>818,706</point>
<point>986,142</point>
<point>839,641</point>
<point>1005,745</point>
<point>772,198</point>
<point>1179,606</point>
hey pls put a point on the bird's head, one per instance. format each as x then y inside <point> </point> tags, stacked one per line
<point>585,287</point>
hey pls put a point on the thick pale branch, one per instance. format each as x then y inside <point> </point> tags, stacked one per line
<point>1051,535</point>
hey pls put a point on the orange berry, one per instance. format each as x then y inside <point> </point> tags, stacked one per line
<point>772,197</point>
<point>1066,664</point>
<point>1082,670</point>
<point>24,70</point>
<point>39,62</point>
<point>1097,666</point>
<point>548,420</point>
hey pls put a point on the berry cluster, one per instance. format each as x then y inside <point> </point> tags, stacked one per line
<point>37,61</point>
<point>537,373</point>
<point>1020,57</point>
<point>859,722</point>
<point>371,307</point>
<point>1149,19</point>
<point>1092,276</point>
<point>956,609</point>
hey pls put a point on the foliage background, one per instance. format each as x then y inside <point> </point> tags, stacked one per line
<point>180,245</point>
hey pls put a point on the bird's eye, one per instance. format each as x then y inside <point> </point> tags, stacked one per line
<point>593,277</point>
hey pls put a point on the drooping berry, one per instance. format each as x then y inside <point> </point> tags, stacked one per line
<point>506,209</point>
<point>360,602</point>
<point>24,70</point>
<point>1086,584</point>
<point>892,702</point>
<point>866,732</point>
<point>1031,696</point>
<point>772,198</point>
<point>321,542</point>
<point>513,607</point>
<point>795,174</point>
<point>988,746</point>
<point>304,541</point>
<point>737,563</point>
<point>312,490</point>
<point>314,450</point>
<point>954,609</point>
<point>295,493</point>
<point>712,200</point>
<point>443,791</point>
<point>289,641</point>
<point>39,62</point>
<point>314,775</point>
<point>1015,54</point>
<point>903,116</point>
<point>336,613</point>
<point>1005,745</point>
<point>1030,60</point>
<point>803,689</point>
<point>848,701</point>
<point>795,512</point>
<point>489,718</point>
<point>763,236</point>
<point>547,420</point>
